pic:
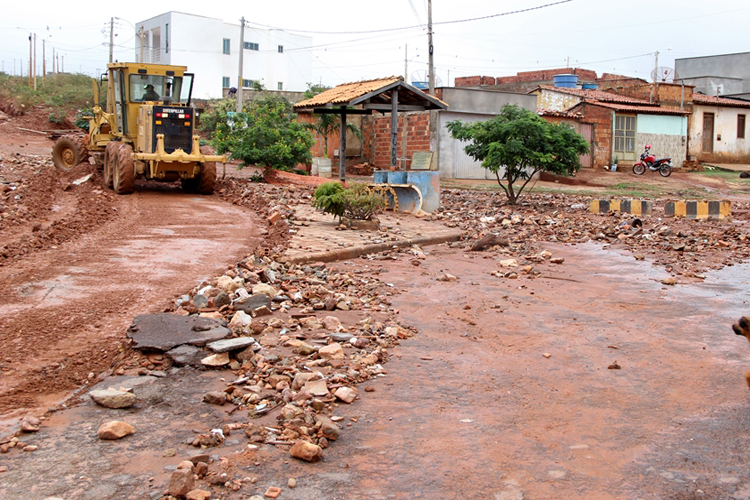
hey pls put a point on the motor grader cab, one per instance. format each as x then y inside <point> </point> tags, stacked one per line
<point>147,130</point>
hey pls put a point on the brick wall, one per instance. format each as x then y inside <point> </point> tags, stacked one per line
<point>601,118</point>
<point>377,137</point>
<point>353,146</point>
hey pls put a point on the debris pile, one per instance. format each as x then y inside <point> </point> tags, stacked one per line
<point>684,247</point>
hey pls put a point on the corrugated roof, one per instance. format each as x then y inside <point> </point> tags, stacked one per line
<point>649,110</point>
<point>342,94</point>
<point>719,101</point>
<point>598,95</point>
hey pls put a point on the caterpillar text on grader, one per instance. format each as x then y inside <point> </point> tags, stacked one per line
<point>146,131</point>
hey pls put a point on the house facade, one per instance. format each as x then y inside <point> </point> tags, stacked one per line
<point>210,49</point>
<point>718,130</point>
<point>622,125</point>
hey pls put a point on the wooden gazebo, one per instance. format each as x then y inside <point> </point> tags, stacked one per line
<point>363,98</point>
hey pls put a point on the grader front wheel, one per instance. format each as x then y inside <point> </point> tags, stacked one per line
<point>69,151</point>
<point>123,180</point>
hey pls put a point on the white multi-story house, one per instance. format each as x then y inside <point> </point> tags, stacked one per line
<point>210,49</point>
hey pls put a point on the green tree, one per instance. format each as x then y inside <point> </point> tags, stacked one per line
<point>314,89</point>
<point>326,124</point>
<point>521,143</point>
<point>266,135</point>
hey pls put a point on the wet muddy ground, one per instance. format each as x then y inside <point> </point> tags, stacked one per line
<point>472,407</point>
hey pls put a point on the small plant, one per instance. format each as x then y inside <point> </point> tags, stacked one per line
<point>81,118</point>
<point>257,177</point>
<point>616,160</point>
<point>356,202</point>
<point>329,198</point>
<point>57,116</point>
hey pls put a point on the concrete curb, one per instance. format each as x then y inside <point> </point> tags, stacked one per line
<point>698,209</point>
<point>356,251</point>
<point>635,207</point>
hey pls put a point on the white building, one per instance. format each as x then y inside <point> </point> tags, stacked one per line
<point>210,49</point>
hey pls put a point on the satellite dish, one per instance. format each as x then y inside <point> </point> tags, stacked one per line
<point>663,74</point>
<point>421,80</point>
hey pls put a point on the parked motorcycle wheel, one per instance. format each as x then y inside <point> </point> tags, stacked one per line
<point>665,170</point>
<point>639,168</point>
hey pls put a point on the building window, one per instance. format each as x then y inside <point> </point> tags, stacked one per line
<point>225,82</point>
<point>281,49</point>
<point>740,126</point>
<point>281,86</point>
<point>248,83</point>
<point>624,136</point>
<point>251,46</point>
<point>227,41</point>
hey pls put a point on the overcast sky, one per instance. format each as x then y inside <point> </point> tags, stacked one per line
<point>602,35</point>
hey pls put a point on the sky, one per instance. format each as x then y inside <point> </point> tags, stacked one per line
<point>365,40</point>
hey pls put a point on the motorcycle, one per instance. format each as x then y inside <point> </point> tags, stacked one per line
<point>648,160</point>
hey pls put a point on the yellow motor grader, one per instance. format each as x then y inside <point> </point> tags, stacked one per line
<point>146,131</point>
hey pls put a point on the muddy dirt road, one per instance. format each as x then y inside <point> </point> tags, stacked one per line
<point>64,309</point>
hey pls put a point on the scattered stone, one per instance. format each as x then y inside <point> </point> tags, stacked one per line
<point>198,495</point>
<point>229,345</point>
<point>215,398</point>
<point>261,311</point>
<point>306,451</point>
<point>115,430</point>
<point>507,263</point>
<point>268,290</point>
<point>346,394</point>
<point>181,482</point>
<point>30,424</point>
<point>328,429</point>
<point>331,351</point>
<point>447,277</point>
<point>31,447</point>
<point>669,281</point>
<point>220,359</point>
<point>317,387</point>
<point>249,304</point>
<point>557,260</point>
<point>547,355</point>
<point>186,355</point>
<point>331,323</point>
<point>614,366</point>
<point>240,321</point>
<point>113,398</point>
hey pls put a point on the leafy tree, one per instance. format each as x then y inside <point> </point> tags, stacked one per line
<point>266,134</point>
<point>326,124</point>
<point>216,112</point>
<point>521,143</point>
<point>314,89</point>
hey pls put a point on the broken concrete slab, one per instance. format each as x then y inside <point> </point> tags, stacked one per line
<point>165,331</point>
<point>228,345</point>
<point>253,302</point>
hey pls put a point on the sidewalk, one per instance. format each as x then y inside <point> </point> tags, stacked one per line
<point>316,238</point>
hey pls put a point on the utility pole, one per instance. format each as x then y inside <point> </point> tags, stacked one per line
<point>656,77</point>
<point>141,37</point>
<point>35,70</point>
<point>31,60</point>
<point>44,62</point>
<point>239,76</point>
<point>63,64</point>
<point>111,38</point>
<point>429,42</point>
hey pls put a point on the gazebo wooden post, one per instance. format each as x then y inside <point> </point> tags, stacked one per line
<point>342,146</point>
<point>394,128</point>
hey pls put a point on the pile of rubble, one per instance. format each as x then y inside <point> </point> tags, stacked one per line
<point>298,338</point>
<point>684,247</point>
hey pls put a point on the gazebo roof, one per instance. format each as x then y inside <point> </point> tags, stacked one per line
<point>373,95</point>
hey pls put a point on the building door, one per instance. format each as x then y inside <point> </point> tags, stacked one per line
<point>708,132</point>
<point>587,131</point>
<point>624,147</point>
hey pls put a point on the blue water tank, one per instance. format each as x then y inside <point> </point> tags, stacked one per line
<point>590,86</point>
<point>566,81</point>
<point>421,85</point>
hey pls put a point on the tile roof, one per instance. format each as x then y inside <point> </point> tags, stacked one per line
<point>342,94</point>
<point>719,101</point>
<point>648,110</point>
<point>598,95</point>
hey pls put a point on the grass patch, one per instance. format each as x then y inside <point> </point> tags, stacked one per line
<point>63,93</point>
<point>724,175</point>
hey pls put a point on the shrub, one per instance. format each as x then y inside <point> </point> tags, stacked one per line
<point>356,202</point>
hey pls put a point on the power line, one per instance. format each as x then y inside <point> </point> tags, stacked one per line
<point>520,11</point>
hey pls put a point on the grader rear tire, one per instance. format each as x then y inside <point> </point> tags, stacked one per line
<point>109,160</point>
<point>123,180</point>
<point>207,181</point>
<point>68,152</point>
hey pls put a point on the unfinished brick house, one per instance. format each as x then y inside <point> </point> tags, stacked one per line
<point>622,125</point>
